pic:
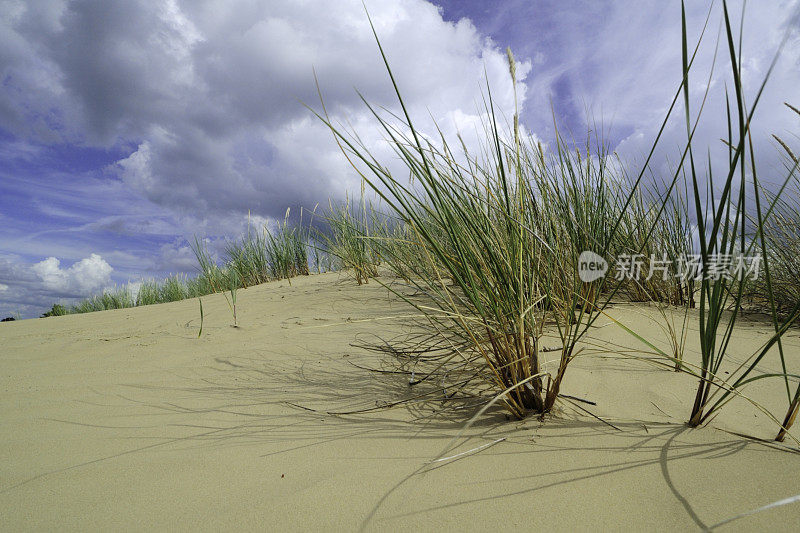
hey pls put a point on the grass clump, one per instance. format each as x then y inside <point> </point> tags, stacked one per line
<point>494,249</point>
<point>171,289</point>
<point>198,286</point>
<point>211,276</point>
<point>351,237</point>
<point>117,298</point>
<point>249,259</point>
<point>724,234</point>
<point>149,293</point>
<point>260,256</point>
<point>56,310</point>
<point>287,250</point>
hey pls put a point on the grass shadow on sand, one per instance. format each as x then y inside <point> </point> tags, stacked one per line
<point>326,400</point>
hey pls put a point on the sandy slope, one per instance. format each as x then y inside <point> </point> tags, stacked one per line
<point>126,420</point>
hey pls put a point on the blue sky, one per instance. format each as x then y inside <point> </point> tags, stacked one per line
<point>128,127</point>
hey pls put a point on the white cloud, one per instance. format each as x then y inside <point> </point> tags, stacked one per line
<point>82,278</point>
<point>27,293</point>
<point>209,94</point>
<point>3,287</point>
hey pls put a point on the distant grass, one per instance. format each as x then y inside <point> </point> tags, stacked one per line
<point>782,232</point>
<point>56,310</point>
<point>170,289</point>
<point>249,258</point>
<point>173,289</point>
<point>117,298</point>
<point>260,256</point>
<point>198,286</point>
<point>352,237</point>
<point>149,293</point>
<point>255,258</point>
<point>287,251</point>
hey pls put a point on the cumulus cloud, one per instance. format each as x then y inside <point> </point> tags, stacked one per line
<point>33,288</point>
<point>90,274</point>
<point>209,94</point>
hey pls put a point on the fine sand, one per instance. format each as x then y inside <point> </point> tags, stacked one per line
<point>126,420</point>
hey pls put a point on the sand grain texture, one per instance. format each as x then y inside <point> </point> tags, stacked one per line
<point>125,420</point>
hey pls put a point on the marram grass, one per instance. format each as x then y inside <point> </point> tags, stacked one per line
<point>494,248</point>
<point>491,242</point>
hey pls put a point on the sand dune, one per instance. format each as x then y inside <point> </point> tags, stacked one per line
<point>126,420</point>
